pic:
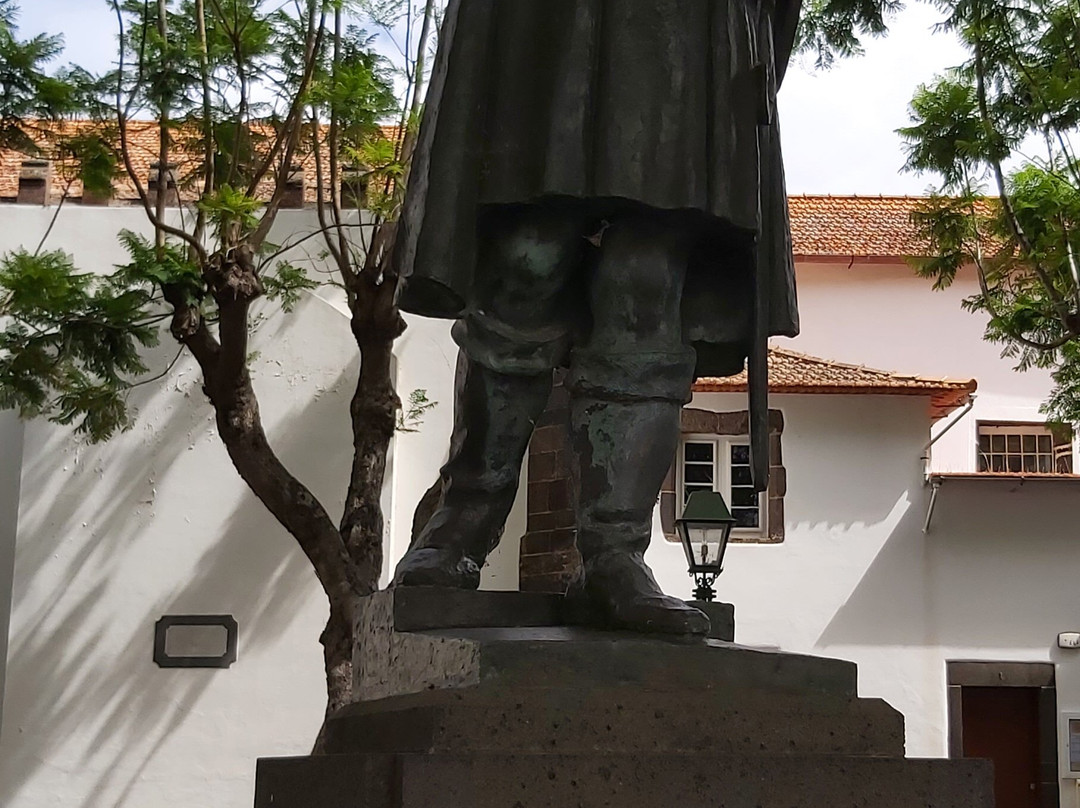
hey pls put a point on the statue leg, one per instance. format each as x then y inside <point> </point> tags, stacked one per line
<point>628,383</point>
<point>510,343</point>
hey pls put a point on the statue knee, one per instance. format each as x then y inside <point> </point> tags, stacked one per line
<point>636,288</point>
<point>528,254</point>
<point>633,375</point>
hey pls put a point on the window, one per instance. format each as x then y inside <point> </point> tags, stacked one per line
<point>714,455</point>
<point>720,463</point>
<point>1024,448</point>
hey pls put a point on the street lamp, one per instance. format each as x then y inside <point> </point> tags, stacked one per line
<point>704,528</point>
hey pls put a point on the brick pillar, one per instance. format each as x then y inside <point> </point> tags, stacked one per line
<point>35,182</point>
<point>293,197</point>
<point>548,556</point>
<point>154,184</point>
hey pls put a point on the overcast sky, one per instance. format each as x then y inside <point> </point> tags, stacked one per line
<point>837,125</point>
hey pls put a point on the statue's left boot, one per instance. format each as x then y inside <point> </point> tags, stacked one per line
<point>622,451</point>
<point>494,415</point>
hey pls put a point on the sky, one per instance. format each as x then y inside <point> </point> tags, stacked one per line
<point>838,125</point>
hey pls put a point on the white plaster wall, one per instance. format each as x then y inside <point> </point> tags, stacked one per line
<point>885,317</point>
<point>156,521</point>
<point>856,578</point>
<point>11,446</point>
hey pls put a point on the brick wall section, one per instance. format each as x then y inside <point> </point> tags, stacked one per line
<point>548,556</point>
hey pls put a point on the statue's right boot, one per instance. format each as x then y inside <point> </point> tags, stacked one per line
<point>621,451</point>
<point>494,416</point>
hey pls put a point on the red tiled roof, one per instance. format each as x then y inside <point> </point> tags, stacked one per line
<point>143,149</point>
<point>852,227</point>
<point>822,227</point>
<point>793,372</point>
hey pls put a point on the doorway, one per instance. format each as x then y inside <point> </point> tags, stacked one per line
<point>1006,712</point>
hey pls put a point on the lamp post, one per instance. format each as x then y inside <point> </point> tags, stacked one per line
<point>704,529</point>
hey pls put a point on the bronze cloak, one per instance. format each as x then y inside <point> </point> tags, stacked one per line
<point>655,101</point>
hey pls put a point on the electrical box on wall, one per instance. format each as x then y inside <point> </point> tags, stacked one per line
<point>1069,639</point>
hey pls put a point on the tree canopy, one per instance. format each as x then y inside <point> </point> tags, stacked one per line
<point>236,96</point>
<point>998,131</point>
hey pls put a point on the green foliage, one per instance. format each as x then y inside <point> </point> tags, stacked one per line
<point>412,416</point>
<point>1005,120</point>
<point>28,92</point>
<point>70,342</point>
<point>157,267</point>
<point>286,284</point>
<point>96,160</point>
<point>832,29</point>
<point>231,213</point>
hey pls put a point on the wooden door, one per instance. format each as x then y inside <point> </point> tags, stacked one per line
<point>1002,724</point>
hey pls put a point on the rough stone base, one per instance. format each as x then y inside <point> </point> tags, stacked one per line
<point>481,700</point>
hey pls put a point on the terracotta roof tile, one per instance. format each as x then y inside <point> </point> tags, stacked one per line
<point>822,227</point>
<point>854,226</point>
<point>143,150</point>
<point>793,372</point>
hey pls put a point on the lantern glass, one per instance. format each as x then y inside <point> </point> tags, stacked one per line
<point>704,544</point>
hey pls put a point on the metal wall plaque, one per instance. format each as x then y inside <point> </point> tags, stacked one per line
<point>195,641</point>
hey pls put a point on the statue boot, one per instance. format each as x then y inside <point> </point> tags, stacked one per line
<point>494,416</point>
<point>622,451</point>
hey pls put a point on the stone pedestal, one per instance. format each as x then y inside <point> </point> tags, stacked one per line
<point>484,700</point>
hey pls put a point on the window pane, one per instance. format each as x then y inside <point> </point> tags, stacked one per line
<point>1046,444</point>
<point>997,462</point>
<point>744,497</point>
<point>984,443</point>
<point>697,474</point>
<point>689,489</point>
<point>1014,462</point>
<point>699,452</point>
<point>1029,462</point>
<point>997,443</point>
<point>1044,464</point>
<point>1013,443</point>
<point>1028,443</point>
<point>984,461</point>
<point>741,475</point>
<point>740,454</point>
<point>745,517</point>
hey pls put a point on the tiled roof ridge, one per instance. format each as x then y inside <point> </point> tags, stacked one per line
<point>876,372</point>
<point>899,197</point>
<point>792,372</point>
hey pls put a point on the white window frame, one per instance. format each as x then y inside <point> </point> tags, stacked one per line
<point>1007,428</point>
<point>721,479</point>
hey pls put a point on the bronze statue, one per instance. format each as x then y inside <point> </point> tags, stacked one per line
<point>598,185</point>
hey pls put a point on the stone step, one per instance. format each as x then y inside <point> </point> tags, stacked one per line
<point>428,608</point>
<point>626,719</point>
<point>391,663</point>
<point>626,781</point>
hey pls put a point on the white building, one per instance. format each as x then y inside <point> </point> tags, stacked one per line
<point>99,542</point>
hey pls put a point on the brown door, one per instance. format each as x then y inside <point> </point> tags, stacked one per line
<point>1002,724</point>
